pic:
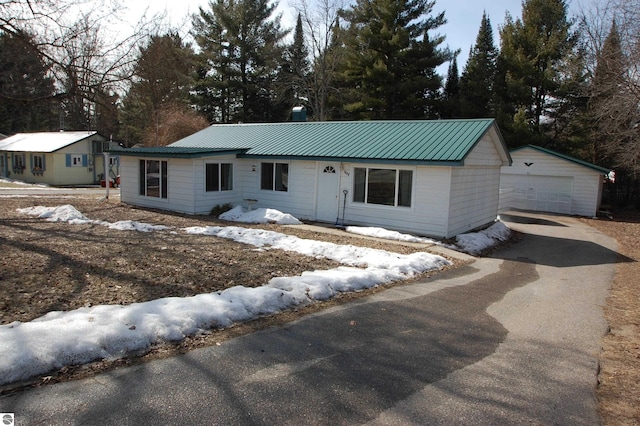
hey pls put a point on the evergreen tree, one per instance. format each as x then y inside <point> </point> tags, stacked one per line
<point>26,90</point>
<point>163,78</point>
<point>451,102</point>
<point>478,77</point>
<point>292,85</point>
<point>298,60</point>
<point>390,60</point>
<point>241,52</point>
<point>532,53</point>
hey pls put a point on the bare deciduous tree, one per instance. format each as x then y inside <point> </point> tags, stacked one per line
<point>86,56</point>
<point>321,19</point>
<point>612,34</point>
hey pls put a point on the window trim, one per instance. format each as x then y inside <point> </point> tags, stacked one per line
<point>143,183</point>
<point>38,165</point>
<point>274,181</point>
<point>18,161</point>
<point>364,191</point>
<point>220,180</point>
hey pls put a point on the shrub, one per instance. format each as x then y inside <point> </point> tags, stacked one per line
<point>220,208</point>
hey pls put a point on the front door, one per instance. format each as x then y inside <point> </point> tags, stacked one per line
<point>328,187</point>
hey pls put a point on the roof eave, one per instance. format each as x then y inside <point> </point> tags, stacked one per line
<point>151,153</point>
<point>396,161</point>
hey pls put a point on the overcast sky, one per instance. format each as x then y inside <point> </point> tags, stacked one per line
<point>463,17</point>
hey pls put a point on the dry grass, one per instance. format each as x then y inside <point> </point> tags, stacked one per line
<point>49,266</point>
<point>619,379</point>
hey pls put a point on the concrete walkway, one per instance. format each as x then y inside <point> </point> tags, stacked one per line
<point>510,339</point>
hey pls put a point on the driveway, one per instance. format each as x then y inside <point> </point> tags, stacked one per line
<point>509,339</point>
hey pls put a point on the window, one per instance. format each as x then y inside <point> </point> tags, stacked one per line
<point>387,187</point>
<point>37,164</point>
<point>153,178</point>
<point>18,163</point>
<point>76,160</point>
<point>274,176</point>
<point>218,177</point>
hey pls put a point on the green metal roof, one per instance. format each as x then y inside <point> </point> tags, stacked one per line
<point>170,151</point>
<point>564,157</point>
<point>434,141</point>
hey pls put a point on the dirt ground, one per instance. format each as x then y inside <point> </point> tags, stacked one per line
<point>619,378</point>
<point>45,267</point>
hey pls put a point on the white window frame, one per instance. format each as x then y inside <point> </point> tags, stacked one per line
<point>76,160</point>
<point>274,181</point>
<point>163,179</point>
<point>219,164</point>
<point>396,202</point>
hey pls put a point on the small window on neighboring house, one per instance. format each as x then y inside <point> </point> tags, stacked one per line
<point>218,177</point>
<point>153,178</point>
<point>387,187</point>
<point>37,164</point>
<point>274,176</point>
<point>76,160</point>
<point>18,163</point>
<point>329,169</point>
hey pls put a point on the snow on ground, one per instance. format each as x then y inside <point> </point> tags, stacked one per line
<point>111,331</point>
<point>387,234</point>
<point>19,182</point>
<point>476,242</point>
<point>261,215</point>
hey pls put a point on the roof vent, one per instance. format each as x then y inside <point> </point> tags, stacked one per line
<point>299,113</point>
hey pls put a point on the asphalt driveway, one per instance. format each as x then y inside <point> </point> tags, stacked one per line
<point>509,339</point>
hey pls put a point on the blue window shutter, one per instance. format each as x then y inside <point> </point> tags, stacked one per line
<point>68,157</point>
<point>44,166</point>
<point>84,160</point>
<point>31,161</point>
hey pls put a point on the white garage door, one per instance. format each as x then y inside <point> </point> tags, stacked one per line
<point>539,193</point>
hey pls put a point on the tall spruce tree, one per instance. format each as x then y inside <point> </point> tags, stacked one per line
<point>298,60</point>
<point>241,50</point>
<point>532,53</point>
<point>451,97</point>
<point>478,77</point>
<point>390,60</point>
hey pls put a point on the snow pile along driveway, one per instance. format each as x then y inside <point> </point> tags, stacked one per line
<point>111,331</point>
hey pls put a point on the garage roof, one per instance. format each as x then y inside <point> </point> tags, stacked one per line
<point>564,157</point>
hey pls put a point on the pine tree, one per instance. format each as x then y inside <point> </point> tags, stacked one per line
<point>241,51</point>
<point>451,97</point>
<point>533,51</point>
<point>390,60</point>
<point>293,76</point>
<point>478,77</point>
<point>163,78</point>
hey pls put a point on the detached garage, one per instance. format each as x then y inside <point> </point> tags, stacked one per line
<point>544,180</point>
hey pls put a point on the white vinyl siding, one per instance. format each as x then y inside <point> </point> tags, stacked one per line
<point>550,183</point>
<point>427,215</point>
<point>474,198</point>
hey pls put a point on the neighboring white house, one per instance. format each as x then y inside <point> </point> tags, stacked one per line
<point>544,180</point>
<point>56,158</point>
<point>437,178</point>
